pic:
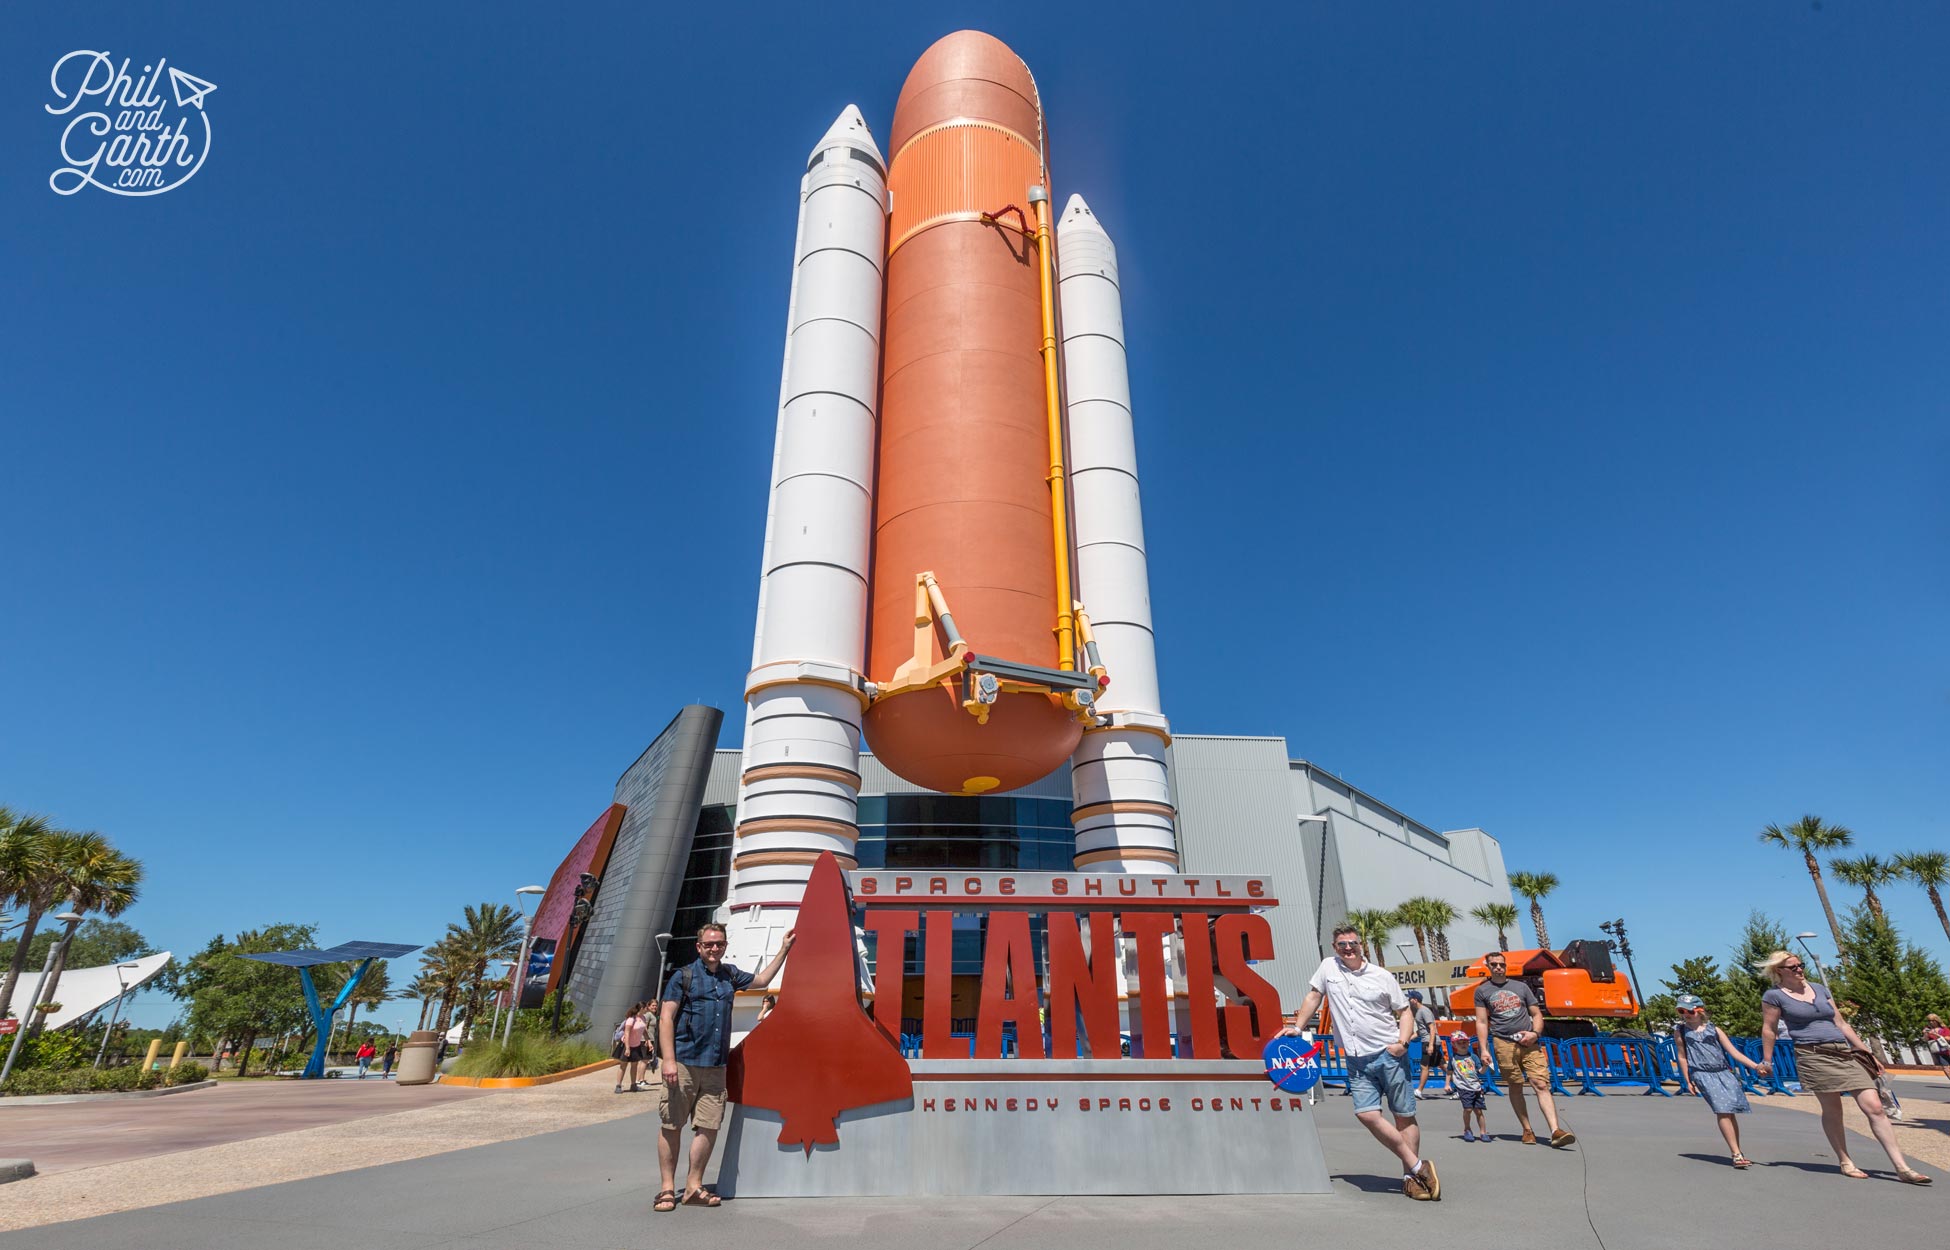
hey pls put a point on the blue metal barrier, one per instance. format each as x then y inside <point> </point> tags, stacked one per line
<point>1333,1061</point>
<point>1596,1062</point>
<point>1462,1043</point>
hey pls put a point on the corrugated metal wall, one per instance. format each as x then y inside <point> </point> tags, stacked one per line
<point>1235,815</point>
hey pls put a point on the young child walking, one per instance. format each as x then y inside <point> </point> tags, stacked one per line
<point>1704,1051</point>
<point>1466,1075</point>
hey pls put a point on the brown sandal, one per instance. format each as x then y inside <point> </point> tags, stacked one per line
<point>666,1200</point>
<point>1910,1176</point>
<point>702,1198</point>
<point>1854,1173</point>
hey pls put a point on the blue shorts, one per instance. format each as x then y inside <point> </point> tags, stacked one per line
<point>1377,1078</point>
<point>1472,1099</point>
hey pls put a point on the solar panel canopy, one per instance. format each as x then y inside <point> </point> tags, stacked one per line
<point>344,952</point>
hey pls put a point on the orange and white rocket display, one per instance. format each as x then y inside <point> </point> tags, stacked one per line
<point>942,522</point>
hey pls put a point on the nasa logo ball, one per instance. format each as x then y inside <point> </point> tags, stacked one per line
<point>1293,1063</point>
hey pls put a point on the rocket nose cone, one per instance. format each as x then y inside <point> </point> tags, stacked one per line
<point>1077,216</point>
<point>849,130</point>
<point>972,75</point>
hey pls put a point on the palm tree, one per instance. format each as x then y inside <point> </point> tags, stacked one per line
<point>1373,926</point>
<point>1807,836</point>
<point>1439,914</point>
<point>487,932</point>
<point>1931,870</point>
<point>442,964</point>
<point>97,877</point>
<point>426,989</point>
<point>1534,886</point>
<point>1866,872</point>
<point>1501,917</point>
<point>1412,916</point>
<point>26,849</point>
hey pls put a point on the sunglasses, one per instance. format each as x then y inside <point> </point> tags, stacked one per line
<point>1347,946</point>
<point>1793,967</point>
<point>710,946</point>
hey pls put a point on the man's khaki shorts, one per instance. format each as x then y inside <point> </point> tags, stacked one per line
<point>1529,1062</point>
<point>698,1097</point>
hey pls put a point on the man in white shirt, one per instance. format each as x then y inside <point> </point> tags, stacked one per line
<point>1373,1021</point>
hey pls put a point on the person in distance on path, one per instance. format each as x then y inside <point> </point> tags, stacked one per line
<point>1427,1043</point>
<point>1509,1016</point>
<point>1373,1022</point>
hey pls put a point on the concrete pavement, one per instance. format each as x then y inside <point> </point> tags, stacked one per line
<point>1647,1172</point>
<point>80,1135</point>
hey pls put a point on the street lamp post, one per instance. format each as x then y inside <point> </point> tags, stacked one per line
<point>124,983</point>
<point>663,946</point>
<point>518,976</point>
<point>1803,939</point>
<point>70,917</point>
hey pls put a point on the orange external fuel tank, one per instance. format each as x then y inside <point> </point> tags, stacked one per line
<point>962,487</point>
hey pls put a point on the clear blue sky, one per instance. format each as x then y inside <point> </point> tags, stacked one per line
<point>1561,394</point>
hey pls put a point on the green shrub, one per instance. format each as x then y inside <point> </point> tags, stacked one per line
<point>34,1081</point>
<point>57,1051</point>
<point>525,1055</point>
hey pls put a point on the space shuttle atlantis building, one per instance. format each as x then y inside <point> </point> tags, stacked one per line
<point>954,565</point>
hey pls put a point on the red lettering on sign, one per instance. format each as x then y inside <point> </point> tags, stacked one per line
<point>1240,938</point>
<point>1238,1104</point>
<point>1144,1104</point>
<point>1276,1104</point>
<point>1164,1104</point>
<point>1083,1104</point>
<point>937,1001</point>
<point>1060,886</point>
<point>1255,1104</point>
<point>1008,964</point>
<point>1011,1104</point>
<point>1149,931</point>
<point>971,885</point>
<point>988,1104</point>
<point>1161,883</point>
<point>1077,986</point>
<point>1126,885</point>
<point>870,886</point>
<point>890,972</point>
<point>1007,885</point>
<point>1191,886</point>
<point>1198,1104</point>
<point>1219,888</point>
<point>1256,889</point>
<point>927,1104</point>
<point>968,1104</point>
<point>1031,1104</point>
<point>1123,1104</point>
<point>903,884</point>
<point>1103,1104</point>
<point>937,885</point>
<point>1093,885</point>
<point>1199,1002</point>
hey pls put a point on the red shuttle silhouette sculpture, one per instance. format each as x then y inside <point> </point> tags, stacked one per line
<point>818,1053</point>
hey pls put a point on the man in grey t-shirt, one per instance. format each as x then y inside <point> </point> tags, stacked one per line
<point>1509,1017</point>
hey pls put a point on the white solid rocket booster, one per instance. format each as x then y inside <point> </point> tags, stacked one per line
<point>799,789</point>
<point>1123,815</point>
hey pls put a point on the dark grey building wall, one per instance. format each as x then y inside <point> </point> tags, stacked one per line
<point>616,965</point>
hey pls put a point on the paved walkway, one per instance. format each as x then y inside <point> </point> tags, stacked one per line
<point>1648,1172</point>
<point>59,1138</point>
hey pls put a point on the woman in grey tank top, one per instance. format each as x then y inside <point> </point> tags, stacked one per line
<point>1802,1011</point>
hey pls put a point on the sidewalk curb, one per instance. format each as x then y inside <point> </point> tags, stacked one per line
<point>51,1100</point>
<point>522,1082</point>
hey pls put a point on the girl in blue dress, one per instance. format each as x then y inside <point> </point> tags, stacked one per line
<point>1706,1058</point>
